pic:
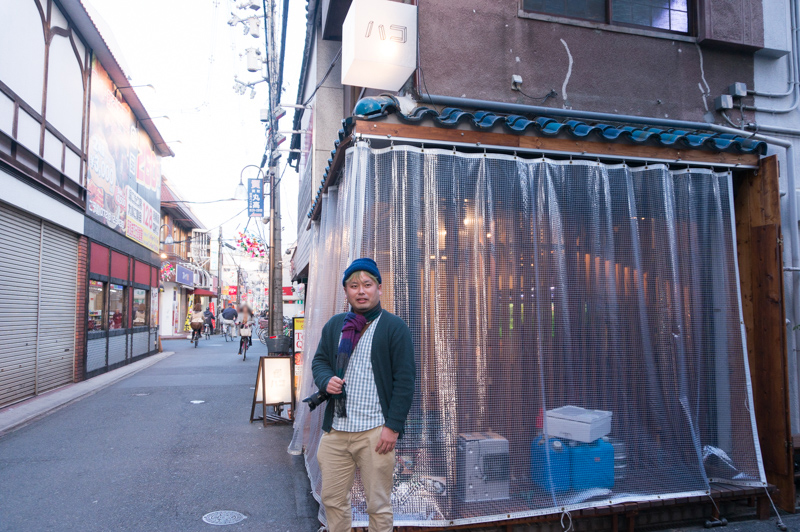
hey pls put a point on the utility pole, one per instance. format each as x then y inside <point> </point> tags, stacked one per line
<point>275,326</point>
<point>238,285</point>
<point>219,282</point>
<point>275,262</point>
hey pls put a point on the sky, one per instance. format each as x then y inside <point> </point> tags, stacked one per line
<point>189,53</point>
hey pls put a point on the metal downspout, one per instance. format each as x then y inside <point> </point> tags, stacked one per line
<point>795,22</point>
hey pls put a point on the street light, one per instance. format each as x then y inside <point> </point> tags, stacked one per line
<point>169,240</point>
<point>241,191</point>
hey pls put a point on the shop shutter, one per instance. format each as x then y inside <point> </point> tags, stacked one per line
<point>57,308</point>
<point>20,234</point>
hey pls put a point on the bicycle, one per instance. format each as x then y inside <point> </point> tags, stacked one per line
<point>245,333</point>
<point>196,337</point>
<point>207,331</point>
<point>263,325</point>
<point>226,332</point>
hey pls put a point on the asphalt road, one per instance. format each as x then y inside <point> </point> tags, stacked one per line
<point>141,456</point>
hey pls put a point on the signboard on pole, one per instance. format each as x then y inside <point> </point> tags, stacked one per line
<point>255,198</point>
<point>184,276</point>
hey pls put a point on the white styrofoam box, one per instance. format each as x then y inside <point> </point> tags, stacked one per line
<point>579,424</point>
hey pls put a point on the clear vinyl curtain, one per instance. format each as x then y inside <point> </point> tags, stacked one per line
<point>534,284</point>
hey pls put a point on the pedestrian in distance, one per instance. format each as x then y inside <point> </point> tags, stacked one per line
<point>365,362</point>
<point>209,318</point>
<point>197,320</point>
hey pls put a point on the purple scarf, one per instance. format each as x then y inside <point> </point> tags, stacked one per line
<point>353,328</point>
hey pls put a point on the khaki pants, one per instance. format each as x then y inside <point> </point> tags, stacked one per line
<point>338,455</point>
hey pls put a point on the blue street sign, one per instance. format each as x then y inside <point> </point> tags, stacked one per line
<point>255,198</point>
<point>184,276</point>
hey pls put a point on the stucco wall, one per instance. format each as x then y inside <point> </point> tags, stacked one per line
<point>471,48</point>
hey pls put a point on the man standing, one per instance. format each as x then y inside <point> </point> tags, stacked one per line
<point>365,361</point>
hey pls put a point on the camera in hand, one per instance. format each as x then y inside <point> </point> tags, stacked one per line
<point>316,399</point>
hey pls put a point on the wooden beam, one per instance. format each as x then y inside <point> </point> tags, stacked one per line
<point>616,150</point>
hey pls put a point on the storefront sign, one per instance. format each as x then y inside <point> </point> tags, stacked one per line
<point>231,290</point>
<point>184,276</point>
<point>153,307</point>
<point>299,335</point>
<point>255,198</point>
<point>379,44</point>
<point>189,308</point>
<point>124,172</point>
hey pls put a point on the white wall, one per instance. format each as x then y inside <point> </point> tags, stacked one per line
<point>165,310</point>
<point>22,45</point>
<point>65,90</point>
<point>772,74</point>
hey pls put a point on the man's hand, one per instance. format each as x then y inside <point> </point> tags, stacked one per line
<point>335,386</point>
<point>387,441</point>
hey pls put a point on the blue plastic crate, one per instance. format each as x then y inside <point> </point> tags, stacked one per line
<point>591,465</point>
<point>557,478</point>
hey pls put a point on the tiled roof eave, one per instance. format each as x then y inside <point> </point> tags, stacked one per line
<point>373,108</point>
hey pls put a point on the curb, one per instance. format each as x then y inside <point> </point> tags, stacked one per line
<point>21,414</point>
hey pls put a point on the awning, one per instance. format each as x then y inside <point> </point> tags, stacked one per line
<point>204,292</point>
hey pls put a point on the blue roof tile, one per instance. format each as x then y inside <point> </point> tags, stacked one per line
<point>376,107</point>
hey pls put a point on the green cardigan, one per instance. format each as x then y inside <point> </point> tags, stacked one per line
<point>392,364</point>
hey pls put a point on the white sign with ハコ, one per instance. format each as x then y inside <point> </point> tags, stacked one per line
<point>379,44</point>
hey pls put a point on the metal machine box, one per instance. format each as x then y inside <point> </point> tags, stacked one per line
<point>483,467</point>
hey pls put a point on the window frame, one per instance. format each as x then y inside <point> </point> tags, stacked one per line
<point>103,304</point>
<point>146,307</point>
<point>691,19</point>
<point>124,310</point>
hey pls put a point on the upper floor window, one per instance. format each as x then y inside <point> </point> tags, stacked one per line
<point>666,15</point>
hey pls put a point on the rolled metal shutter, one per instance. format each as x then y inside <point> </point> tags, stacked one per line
<point>57,308</point>
<point>20,235</point>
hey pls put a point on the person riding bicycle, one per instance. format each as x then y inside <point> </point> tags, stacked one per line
<point>229,316</point>
<point>197,321</point>
<point>209,316</point>
<point>245,320</point>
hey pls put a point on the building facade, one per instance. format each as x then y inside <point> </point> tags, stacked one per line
<point>79,280</point>
<point>185,277</point>
<point>604,83</point>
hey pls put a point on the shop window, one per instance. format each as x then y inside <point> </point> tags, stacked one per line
<point>140,299</point>
<point>666,15</point>
<point>97,299</point>
<point>116,306</point>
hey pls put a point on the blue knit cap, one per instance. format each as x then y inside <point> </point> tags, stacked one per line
<point>362,264</point>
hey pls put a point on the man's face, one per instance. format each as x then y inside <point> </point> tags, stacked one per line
<point>362,292</point>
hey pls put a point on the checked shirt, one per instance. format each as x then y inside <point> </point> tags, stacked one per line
<point>363,404</point>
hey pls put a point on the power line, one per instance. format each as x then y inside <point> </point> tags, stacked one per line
<point>200,202</point>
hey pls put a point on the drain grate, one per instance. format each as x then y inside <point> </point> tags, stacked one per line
<point>223,517</point>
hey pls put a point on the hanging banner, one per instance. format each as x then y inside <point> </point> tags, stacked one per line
<point>255,198</point>
<point>124,173</point>
<point>187,323</point>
